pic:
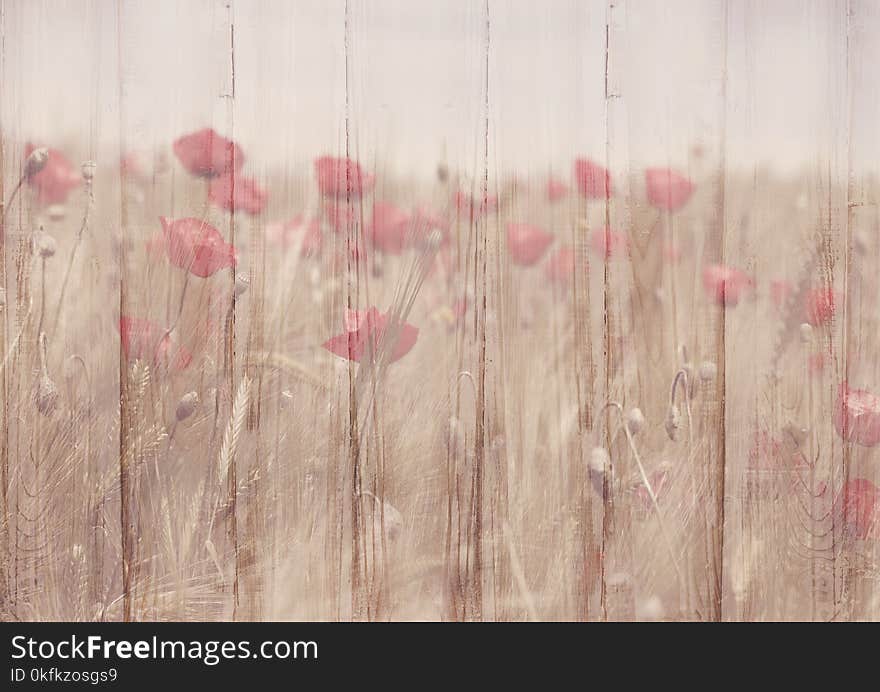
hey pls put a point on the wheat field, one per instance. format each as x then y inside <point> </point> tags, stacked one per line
<point>486,310</point>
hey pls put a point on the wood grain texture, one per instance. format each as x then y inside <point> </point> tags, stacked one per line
<point>488,473</point>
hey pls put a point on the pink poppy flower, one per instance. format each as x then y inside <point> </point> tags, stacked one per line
<point>145,340</point>
<point>861,508</point>
<point>285,235</point>
<point>527,243</point>
<point>607,243</point>
<point>857,416</point>
<point>819,306</point>
<point>667,189</point>
<point>593,181</point>
<point>56,179</point>
<point>725,285</point>
<point>339,216</point>
<point>196,246</point>
<point>388,229</point>
<point>341,177</point>
<point>556,190</point>
<point>365,333</point>
<point>207,154</point>
<point>234,193</point>
<point>560,267</point>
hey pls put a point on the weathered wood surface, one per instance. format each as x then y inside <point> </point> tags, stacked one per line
<point>462,480</point>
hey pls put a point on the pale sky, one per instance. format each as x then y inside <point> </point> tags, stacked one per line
<point>416,79</point>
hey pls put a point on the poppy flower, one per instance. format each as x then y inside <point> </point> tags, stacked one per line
<point>560,267</point>
<point>607,243</point>
<point>207,154</point>
<point>196,246</point>
<point>145,340</point>
<point>55,180</point>
<point>233,193</point>
<point>667,189</point>
<point>819,306</point>
<point>725,285</point>
<point>857,416</point>
<point>285,235</point>
<point>339,216</point>
<point>527,243</point>
<point>388,228</point>
<point>556,190</point>
<point>341,177</point>
<point>593,181</point>
<point>861,508</point>
<point>366,331</point>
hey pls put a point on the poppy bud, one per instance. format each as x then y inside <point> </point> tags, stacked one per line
<point>88,170</point>
<point>635,420</point>
<point>673,422</point>
<point>442,172</point>
<point>36,161</point>
<point>187,405</point>
<point>708,371</point>
<point>45,245</point>
<point>806,333</point>
<point>600,460</point>
<point>242,284</point>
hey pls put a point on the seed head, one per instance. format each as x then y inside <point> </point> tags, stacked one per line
<point>442,172</point>
<point>187,405</point>
<point>36,161</point>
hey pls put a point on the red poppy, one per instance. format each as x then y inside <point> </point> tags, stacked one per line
<point>667,189</point>
<point>725,285</point>
<point>56,179</point>
<point>196,246</point>
<point>341,177</point>
<point>819,306</point>
<point>146,340</point>
<point>861,508</point>
<point>560,267</point>
<point>527,243</point>
<point>339,216</point>
<point>365,332</point>
<point>234,193</point>
<point>388,229</point>
<point>857,416</point>
<point>285,235</point>
<point>607,243</point>
<point>556,190</point>
<point>593,181</point>
<point>207,154</point>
